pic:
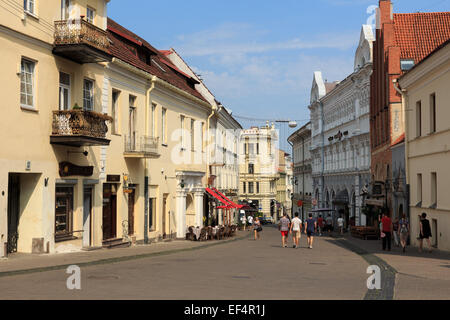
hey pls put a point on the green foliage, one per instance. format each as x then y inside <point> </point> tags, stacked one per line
<point>76,107</point>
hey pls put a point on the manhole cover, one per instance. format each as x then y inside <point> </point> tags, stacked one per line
<point>104,277</point>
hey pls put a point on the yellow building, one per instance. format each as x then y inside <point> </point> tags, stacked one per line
<point>258,169</point>
<point>425,97</point>
<point>104,142</point>
<point>52,61</point>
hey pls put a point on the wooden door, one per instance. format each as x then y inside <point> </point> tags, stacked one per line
<point>164,217</point>
<point>131,202</point>
<point>109,212</point>
<point>13,212</point>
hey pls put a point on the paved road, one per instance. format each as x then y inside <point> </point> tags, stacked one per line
<point>245,269</point>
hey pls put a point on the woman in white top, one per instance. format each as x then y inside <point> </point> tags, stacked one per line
<point>296,227</point>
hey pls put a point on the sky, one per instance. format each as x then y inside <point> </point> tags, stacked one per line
<point>258,56</point>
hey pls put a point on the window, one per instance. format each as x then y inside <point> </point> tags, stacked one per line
<point>244,187</point>
<point>251,168</point>
<point>406,65</point>
<point>65,9</point>
<point>115,112</point>
<point>433,189</point>
<point>88,95</point>
<point>251,189</point>
<point>153,120</point>
<point>192,135</point>
<point>202,135</point>
<point>90,16</point>
<point>64,91</point>
<point>151,213</point>
<point>433,113</point>
<point>63,213</point>
<point>183,146</point>
<point>257,187</point>
<point>419,190</point>
<point>28,6</point>
<point>27,84</point>
<point>419,118</point>
<point>163,125</point>
<point>132,122</point>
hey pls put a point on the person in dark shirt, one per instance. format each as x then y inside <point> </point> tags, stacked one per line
<point>310,229</point>
<point>425,232</point>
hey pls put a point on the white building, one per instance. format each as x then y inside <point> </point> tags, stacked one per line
<point>303,183</point>
<point>340,136</point>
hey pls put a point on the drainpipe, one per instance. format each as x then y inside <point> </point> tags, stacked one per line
<point>146,178</point>
<point>322,178</point>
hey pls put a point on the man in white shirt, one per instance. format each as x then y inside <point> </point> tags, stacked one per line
<point>296,227</point>
<point>250,221</point>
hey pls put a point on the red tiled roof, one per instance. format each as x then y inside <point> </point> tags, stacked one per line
<point>120,49</point>
<point>399,140</point>
<point>418,34</point>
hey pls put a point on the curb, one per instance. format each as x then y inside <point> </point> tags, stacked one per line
<point>388,273</point>
<point>116,259</point>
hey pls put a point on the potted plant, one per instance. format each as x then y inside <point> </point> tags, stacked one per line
<point>76,107</point>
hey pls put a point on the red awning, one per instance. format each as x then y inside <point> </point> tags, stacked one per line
<point>215,195</point>
<point>235,205</point>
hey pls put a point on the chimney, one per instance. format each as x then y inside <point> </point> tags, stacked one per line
<point>384,13</point>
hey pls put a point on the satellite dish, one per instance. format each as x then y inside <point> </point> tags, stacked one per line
<point>293,124</point>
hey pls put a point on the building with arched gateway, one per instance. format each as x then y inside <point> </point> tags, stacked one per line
<point>340,148</point>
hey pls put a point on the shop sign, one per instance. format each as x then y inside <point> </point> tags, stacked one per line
<point>67,169</point>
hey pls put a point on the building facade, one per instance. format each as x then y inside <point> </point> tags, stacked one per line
<point>302,169</point>
<point>258,168</point>
<point>111,146</point>
<point>223,146</point>
<point>284,185</point>
<point>340,148</point>
<point>399,45</point>
<point>426,95</point>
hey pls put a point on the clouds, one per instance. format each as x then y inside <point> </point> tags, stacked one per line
<point>257,72</point>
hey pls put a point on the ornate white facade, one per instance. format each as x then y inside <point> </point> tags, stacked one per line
<point>340,149</point>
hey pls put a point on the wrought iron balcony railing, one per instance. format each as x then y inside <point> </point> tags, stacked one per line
<point>81,41</point>
<point>141,146</point>
<point>79,128</point>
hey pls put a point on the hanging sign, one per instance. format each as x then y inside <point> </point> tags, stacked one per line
<point>67,169</point>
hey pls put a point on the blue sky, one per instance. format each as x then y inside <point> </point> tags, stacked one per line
<point>258,56</point>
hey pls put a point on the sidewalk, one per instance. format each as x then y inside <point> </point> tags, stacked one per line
<point>29,263</point>
<point>418,275</point>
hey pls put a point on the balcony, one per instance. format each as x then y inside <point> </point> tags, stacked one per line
<point>81,41</point>
<point>78,128</point>
<point>143,147</point>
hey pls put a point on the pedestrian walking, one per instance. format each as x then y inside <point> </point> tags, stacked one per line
<point>296,230</point>
<point>340,223</point>
<point>320,224</point>
<point>244,221</point>
<point>310,229</point>
<point>257,228</point>
<point>403,231</point>
<point>386,228</point>
<point>425,232</point>
<point>395,233</point>
<point>250,221</point>
<point>284,228</point>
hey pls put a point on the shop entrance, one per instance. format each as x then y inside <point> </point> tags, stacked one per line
<point>13,212</point>
<point>109,211</point>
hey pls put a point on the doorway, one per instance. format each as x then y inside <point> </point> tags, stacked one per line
<point>87,216</point>
<point>13,212</point>
<point>109,211</point>
<point>64,213</point>
<point>434,232</point>
<point>131,202</point>
<point>164,215</point>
